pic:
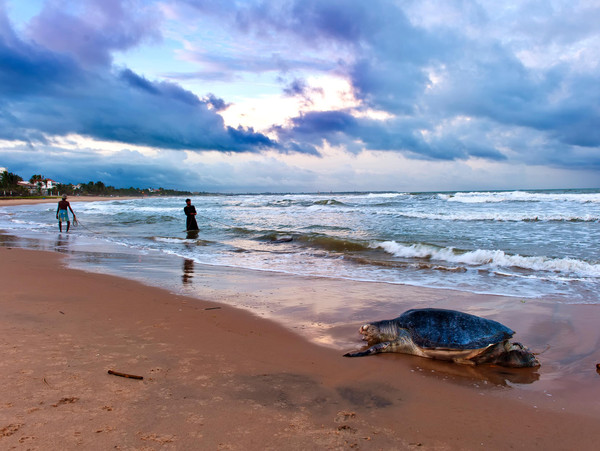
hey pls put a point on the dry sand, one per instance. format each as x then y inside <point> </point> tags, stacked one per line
<point>216,377</point>
<point>8,202</point>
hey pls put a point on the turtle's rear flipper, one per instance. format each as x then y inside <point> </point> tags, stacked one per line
<point>375,349</point>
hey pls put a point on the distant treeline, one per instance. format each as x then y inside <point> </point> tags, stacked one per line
<point>38,185</point>
<point>100,189</point>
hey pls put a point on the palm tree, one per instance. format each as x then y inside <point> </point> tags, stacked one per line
<point>37,180</point>
<point>8,180</point>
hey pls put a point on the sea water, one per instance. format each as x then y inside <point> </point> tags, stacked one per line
<point>527,244</point>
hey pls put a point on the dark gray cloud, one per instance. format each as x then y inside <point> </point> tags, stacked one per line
<point>341,128</point>
<point>44,92</point>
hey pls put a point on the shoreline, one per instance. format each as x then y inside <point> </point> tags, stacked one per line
<point>8,202</point>
<point>222,378</point>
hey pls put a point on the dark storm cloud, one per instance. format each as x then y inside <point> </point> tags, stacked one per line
<point>44,92</point>
<point>355,134</point>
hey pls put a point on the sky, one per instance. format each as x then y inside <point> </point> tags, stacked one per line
<point>302,95</point>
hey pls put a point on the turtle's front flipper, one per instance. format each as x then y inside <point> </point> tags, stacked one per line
<point>375,349</point>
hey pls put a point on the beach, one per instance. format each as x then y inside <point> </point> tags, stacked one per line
<point>10,201</point>
<point>322,225</point>
<point>216,377</point>
<point>269,375</point>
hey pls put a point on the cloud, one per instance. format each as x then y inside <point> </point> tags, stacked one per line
<point>90,30</point>
<point>461,81</point>
<point>341,128</point>
<point>127,167</point>
<point>429,75</point>
<point>44,92</point>
<point>216,103</point>
<point>72,160</point>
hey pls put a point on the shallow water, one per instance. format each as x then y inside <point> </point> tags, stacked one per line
<point>522,243</point>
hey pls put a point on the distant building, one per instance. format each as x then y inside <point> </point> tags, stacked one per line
<point>29,186</point>
<point>43,187</point>
<point>32,188</point>
<point>50,184</point>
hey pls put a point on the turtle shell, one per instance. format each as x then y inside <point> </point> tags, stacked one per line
<point>450,329</point>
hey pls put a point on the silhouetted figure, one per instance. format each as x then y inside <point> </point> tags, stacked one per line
<point>190,213</point>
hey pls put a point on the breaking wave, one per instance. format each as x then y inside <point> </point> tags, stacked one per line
<point>493,258</point>
<point>502,217</point>
<point>387,195</point>
<point>172,240</point>
<point>519,196</point>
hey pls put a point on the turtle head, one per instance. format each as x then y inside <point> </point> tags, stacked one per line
<point>520,356</point>
<point>514,355</point>
<point>379,331</point>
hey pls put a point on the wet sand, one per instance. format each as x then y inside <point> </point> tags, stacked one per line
<point>217,377</point>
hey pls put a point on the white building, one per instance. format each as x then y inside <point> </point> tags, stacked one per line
<point>42,186</point>
<point>49,184</point>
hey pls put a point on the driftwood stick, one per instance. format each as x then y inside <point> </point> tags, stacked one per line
<point>130,376</point>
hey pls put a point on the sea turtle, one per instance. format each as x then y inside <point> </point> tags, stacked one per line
<point>446,335</point>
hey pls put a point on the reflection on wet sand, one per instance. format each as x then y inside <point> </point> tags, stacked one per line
<point>192,234</point>
<point>7,240</point>
<point>188,271</point>
<point>480,376</point>
<point>62,243</point>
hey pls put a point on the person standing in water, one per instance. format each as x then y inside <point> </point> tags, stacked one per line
<point>62,213</point>
<point>190,213</point>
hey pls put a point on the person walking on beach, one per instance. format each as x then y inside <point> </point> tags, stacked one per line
<point>190,213</point>
<point>62,213</point>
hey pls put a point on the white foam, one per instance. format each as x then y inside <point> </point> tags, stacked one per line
<point>172,240</point>
<point>387,195</point>
<point>520,196</point>
<point>494,258</point>
<point>29,224</point>
<point>500,216</point>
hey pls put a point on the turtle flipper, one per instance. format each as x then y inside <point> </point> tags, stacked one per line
<point>464,361</point>
<point>375,349</point>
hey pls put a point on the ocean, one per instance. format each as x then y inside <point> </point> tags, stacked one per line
<point>523,244</point>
